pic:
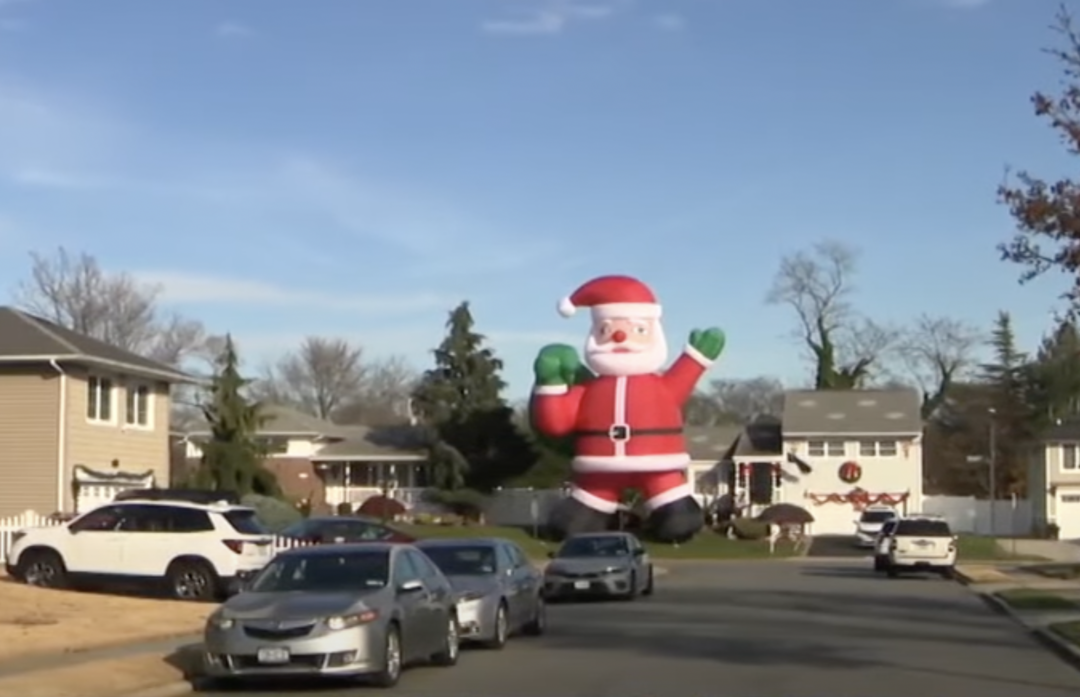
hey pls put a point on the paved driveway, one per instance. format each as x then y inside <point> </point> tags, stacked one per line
<point>772,629</point>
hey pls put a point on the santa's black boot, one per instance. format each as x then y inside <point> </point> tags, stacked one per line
<point>677,521</point>
<point>572,517</point>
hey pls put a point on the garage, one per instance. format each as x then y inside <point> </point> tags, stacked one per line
<point>1068,514</point>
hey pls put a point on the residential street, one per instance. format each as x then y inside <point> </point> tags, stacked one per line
<point>762,630</point>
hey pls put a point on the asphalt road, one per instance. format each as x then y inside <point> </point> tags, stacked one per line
<point>780,629</point>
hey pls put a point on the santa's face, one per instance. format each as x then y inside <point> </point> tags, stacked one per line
<point>625,346</point>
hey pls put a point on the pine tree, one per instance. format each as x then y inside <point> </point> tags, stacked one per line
<point>461,401</point>
<point>232,458</point>
<point>1054,376</point>
<point>1007,377</point>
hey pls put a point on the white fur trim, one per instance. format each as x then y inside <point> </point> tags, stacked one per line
<point>566,307</point>
<point>631,463</point>
<point>593,501</point>
<point>697,356</point>
<point>627,311</point>
<point>551,389</point>
<point>673,494</point>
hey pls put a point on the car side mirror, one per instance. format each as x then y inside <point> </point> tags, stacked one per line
<point>551,555</point>
<point>410,587</point>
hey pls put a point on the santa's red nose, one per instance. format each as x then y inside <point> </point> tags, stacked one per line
<point>618,336</point>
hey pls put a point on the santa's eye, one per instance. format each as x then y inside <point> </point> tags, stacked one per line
<point>640,330</point>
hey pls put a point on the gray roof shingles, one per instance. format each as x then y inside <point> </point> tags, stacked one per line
<point>27,337</point>
<point>871,412</point>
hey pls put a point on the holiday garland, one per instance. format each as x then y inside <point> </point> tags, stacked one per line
<point>859,497</point>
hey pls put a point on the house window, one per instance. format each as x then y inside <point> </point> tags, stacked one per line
<point>271,445</point>
<point>825,448</point>
<point>99,402</point>
<point>137,411</point>
<point>877,448</point>
<point>1069,457</point>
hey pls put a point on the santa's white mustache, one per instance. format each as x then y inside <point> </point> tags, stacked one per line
<point>616,350</point>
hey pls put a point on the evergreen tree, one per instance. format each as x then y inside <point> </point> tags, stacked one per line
<point>1054,376</point>
<point>461,401</point>
<point>1007,378</point>
<point>232,458</point>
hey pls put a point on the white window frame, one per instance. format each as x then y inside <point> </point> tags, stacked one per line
<point>1068,449</point>
<point>131,390</point>
<point>826,447</point>
<point>879,448</point>
<point>94,399</point>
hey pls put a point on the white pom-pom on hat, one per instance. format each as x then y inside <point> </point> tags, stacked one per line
<point>567,307</point>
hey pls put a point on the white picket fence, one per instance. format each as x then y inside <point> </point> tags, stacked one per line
<point>970,515</point>
<point>31,519</point>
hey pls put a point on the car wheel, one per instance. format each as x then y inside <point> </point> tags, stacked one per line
<point>891,572</point>
<point>43,568</point>
<point>501,629</point>
<point>448,655</point>
<point>946,573</point>
<point>649,584</point>
<point>632,593</point>
<point>392,660</point>
<point>538,624</point>
<point>878,564</point>
<point>191,580</point>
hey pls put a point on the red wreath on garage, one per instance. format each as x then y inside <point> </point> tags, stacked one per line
<point>850,472</point>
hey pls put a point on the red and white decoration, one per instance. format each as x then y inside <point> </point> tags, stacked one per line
<point>850,472</point>
<point>860,498</point>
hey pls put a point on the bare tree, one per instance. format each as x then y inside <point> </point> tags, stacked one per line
<point>817,285</point>
<point>73,291</point>
<point>937,352</point>
<point>385,397</point>
<point>741,401</point>
<point>318,378</point>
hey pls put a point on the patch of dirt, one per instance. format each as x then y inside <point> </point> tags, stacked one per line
<point>94,679</point>
<point>983,574</point>
<point>39,621</point>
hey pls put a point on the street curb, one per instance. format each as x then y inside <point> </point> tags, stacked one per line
<point>1063,649</point>
<point>177,688</point>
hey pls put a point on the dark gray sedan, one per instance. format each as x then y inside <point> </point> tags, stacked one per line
<point>599,564</point>
<point>363,610</point>
<point>499,591</point>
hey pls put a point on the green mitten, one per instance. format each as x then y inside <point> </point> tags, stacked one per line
<point>708,342</point>
<point>557,364</point>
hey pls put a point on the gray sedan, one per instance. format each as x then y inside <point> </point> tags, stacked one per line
<point>499,590</point>
<point>363,610</point>
<point>599,564</point>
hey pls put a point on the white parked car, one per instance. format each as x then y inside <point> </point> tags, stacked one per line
<point>921,543</point>
<point>869,523</point>
<point>195,551</point>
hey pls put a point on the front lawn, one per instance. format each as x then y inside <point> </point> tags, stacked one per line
<point>1069,631</point>
<point>980,548</point>
<point>707,544</point>
<point>1063,572</point>
<point>1031,600</point>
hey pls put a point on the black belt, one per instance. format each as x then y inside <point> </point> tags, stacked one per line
<point>623,432</point>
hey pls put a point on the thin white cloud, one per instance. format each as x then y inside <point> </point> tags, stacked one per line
<point>181,287</point>
<point>548,18</point>
<point>670,22</point>
<point>233,30</point>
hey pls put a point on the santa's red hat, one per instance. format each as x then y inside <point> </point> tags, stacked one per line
<point>613,296</point>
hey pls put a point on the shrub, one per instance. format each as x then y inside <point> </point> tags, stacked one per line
<point>344,508</point>
<point>466,503</point>
<point>274,514</point>
<point>383,507</point>
<point>750,529</point>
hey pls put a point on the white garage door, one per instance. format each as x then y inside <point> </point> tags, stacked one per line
<point>1068,516</point>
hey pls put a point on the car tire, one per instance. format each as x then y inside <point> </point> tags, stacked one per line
<point>633,592</point>
<point>538,624</point>
<point>947,573</point>
<point>393,660</point>
<point>879,565</point>
<point>891,572</point>
<point>448,655</point>
<point>501,629</point>
<point>191,580</point>
<point>649,583</point>
<point>43,568</point>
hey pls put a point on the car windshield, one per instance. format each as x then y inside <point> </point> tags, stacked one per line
<point>596,546</point>
<point>322,572</point>
<point>473,560</point>
<point>244,520</point>
<point>923,528</point>
<point>876,516</point>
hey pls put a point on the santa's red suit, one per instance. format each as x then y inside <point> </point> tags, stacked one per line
<point>628,429</point>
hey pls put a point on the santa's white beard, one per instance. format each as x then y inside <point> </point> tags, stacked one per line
<point>604,361</point>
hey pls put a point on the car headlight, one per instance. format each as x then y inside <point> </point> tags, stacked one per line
<point>615,569</point>
<point>339,622</point>
<point>221,622</point>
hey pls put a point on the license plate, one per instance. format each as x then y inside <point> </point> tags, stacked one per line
<point>273,656</point>
<point>581,585</point>
<point>922,543</point>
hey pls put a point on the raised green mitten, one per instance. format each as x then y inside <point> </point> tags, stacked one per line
<point>708,342</point>
<point>557,364</point>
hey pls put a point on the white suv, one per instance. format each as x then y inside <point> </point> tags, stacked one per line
<point>869,524</point>
<point>921,543</point>
<point>198,551</point>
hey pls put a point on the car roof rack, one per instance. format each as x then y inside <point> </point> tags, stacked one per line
<point>199,496</point>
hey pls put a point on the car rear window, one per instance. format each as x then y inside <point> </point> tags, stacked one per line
<point>876,516</point>
<point>923,528</point>
<point>245,522</point>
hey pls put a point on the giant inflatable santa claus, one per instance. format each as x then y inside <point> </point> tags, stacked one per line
<point>624,414</point>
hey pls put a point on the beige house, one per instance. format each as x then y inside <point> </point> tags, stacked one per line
<point>1054,479</point>
<point>79,419</point>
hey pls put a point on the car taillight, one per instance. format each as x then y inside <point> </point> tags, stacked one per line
<point>892,544</point>
<point>952,546</point>
<point>236,546</point>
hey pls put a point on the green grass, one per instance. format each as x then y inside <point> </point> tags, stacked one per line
<point>707,545</point>
<point>1031,599</point>
<point>979,548</point>
<point>1064,572</point>
<point>1069,631</point>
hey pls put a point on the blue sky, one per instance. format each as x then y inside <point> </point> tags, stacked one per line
<point>355,168</point>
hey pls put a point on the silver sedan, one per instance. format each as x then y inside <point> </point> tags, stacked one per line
<point>499,590</point>
<point>599,564</point>
<point>362,610</point>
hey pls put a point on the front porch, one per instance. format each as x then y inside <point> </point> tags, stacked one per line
<point>356,480</point>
